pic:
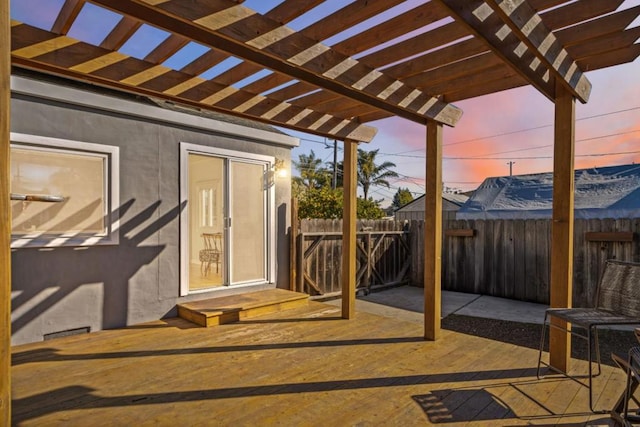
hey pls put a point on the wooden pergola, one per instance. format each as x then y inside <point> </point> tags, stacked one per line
<point>412,65</point>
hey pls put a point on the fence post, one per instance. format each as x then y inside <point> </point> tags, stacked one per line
<point>367,280</point>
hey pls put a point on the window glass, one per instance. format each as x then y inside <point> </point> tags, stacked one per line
<point>82,180</point>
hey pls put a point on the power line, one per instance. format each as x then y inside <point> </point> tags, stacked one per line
<point>513,132</point>
<point>619,153</point>
<point>489,136</point>
<point>540,127</point>
<point>481,156</point>
<point>551,145</point>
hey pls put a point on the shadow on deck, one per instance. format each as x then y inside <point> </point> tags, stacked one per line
<point>304,366</point>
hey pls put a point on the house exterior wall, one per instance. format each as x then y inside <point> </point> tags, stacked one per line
<point>137,280</point>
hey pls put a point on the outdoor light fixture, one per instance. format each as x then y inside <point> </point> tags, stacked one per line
<point>277,170</point>
<point>280,169</point>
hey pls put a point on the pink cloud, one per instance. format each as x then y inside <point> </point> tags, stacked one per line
<point>497,125</point>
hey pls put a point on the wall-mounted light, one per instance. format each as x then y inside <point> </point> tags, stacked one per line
<point>277,170</point>
<point>280,169</point>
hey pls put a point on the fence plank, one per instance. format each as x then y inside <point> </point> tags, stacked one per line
<point>580,286</point>
<point>479,275</point>
<point>469,260</point>
<point>509,260</point>
<point>519,260</point>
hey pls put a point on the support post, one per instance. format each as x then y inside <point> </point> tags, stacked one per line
<point>562,225</point>
<point>349,217</point>
<point>433,232</point>
<point>293,255</point>
<point>5,217</point>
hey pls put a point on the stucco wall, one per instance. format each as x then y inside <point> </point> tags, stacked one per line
<point>137,280</point>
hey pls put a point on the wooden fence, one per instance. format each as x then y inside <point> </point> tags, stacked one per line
<point>511,258</point>
<point>504,258</point>
<point>382,257</point>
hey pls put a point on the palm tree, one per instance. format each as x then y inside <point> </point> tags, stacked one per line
<point>370,174</point>
<point>312,174</point>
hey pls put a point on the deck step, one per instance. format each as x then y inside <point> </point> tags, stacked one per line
<point>232,308</point>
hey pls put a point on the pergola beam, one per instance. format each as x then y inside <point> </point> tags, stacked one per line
<point>241,32</point>
<point>538,56</point>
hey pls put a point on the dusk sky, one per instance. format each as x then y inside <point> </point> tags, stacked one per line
<point>511,126</point>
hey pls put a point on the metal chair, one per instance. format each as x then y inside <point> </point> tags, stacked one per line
<point>631,366</point>
<point>617,303</point>
<point>212,252</point>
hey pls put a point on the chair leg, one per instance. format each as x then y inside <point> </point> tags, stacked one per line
<point>590,370</point>
<point>597,344</point>
<point>593,331</point>
<point>627,392</point>
<point>542,337</point>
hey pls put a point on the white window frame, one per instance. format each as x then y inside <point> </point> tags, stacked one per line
<point>110,235</point>
<point>270,257</point>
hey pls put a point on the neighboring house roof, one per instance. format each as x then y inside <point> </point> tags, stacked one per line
<point>606,192</point>
<point>456,198</point>
<point>450,201</point>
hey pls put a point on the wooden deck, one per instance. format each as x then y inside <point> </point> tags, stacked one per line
<point>301,367</point>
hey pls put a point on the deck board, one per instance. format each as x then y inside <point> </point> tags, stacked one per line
<point>304,366</point>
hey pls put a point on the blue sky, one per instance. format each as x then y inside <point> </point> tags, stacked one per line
<point>511,126</point>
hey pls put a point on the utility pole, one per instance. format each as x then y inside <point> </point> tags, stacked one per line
<point>334,181</point>
<point>510,167</point>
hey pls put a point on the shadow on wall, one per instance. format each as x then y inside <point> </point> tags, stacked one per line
<point>63,270</point>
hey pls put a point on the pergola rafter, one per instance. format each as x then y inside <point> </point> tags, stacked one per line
<point>445,62</point>
<point>39,49</point>
<point>233,28</point>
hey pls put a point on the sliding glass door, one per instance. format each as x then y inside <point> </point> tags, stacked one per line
<point>226,221</point>
<point>248,228</point>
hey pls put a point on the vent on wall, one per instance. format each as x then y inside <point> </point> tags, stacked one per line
<point>67,333</point>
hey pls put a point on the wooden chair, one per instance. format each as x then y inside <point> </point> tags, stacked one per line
<point>617,303</point>
<point>211,254</point>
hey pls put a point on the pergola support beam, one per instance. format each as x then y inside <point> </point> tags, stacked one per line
<point>5,219</point>
<point>433,232</point>
<point>349,218</point>
<point>562,224</point>
<point>515,32</point>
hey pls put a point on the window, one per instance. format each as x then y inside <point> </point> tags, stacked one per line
<point>83,177</point>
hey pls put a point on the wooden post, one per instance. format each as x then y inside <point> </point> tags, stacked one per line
<point>433,232</point>
<point>293,256</point>
<point>5,217</point>
<point>562,224</point>
<point>349,185</point>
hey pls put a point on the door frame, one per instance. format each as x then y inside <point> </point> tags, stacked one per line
<point>270,246</point>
